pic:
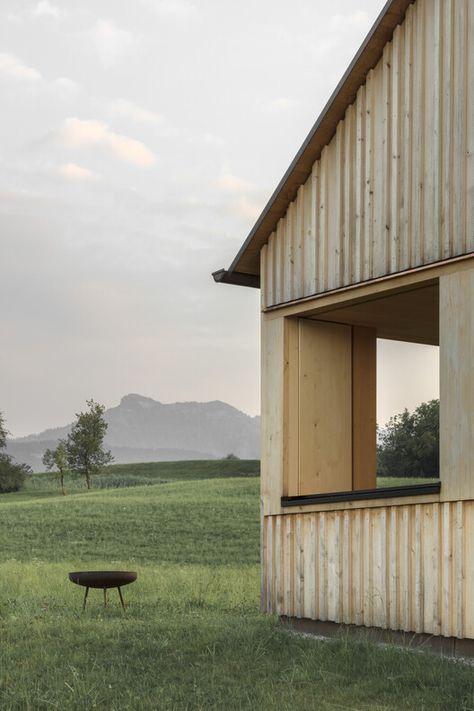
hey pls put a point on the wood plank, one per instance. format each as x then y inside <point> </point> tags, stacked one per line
<point>358,569</point>
<point>469,211</point>
<point>367,581</point>
<point>272,354</point>
<point>393,568</point>
<point>346,567</point>
<point>379,562</point>
<point>458,541</point>
<point>406,142</point>
<point>325,436</point>
<point>368,237</point>
<point>348,196</point>
<point>395,157</point>
<point>458,131</point>
<point>291,408</point>
<point>309,558</point>
<point>379,118</point>
<point>323,223</point>
<point>468,562</point>
<point>299,566</point>
<point>364,407</point>
<point>279,561</point>
<point>358,248</point>
<point>404,575</point>
<point>322,569</point>
<point>288,606</point>
<point>309,237</point>
<point>299,240</point>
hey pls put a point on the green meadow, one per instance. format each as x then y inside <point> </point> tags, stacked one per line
<point>192,637</point>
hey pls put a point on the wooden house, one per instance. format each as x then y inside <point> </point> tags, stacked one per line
<point>369,234</point>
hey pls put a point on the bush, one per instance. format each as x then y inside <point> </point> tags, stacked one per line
<point>12,475</point>
<point>409,444</point>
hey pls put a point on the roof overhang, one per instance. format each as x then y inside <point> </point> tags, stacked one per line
<point>247,262</point>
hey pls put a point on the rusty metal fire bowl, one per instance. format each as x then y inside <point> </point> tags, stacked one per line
<point>103,579</point>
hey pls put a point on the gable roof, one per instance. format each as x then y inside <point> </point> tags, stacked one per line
<point>245,269</point>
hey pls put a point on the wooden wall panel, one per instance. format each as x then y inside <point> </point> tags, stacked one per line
<point>405,568</point>
<point>394,188</point>
<point>324,407</point>
<point>457,385</point>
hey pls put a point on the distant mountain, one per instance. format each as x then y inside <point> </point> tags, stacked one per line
<point>141,429</point>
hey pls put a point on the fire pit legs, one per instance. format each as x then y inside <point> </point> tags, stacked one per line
<point>85,599</point>
<point>105,598</point>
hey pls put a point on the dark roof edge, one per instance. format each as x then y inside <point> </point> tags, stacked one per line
<point>222,276</point>
<point>324,129</point>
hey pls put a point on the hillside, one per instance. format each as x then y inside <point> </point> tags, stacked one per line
<point>143,430</point>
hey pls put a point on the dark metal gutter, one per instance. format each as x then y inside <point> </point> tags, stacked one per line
<point>362,494</point>
<point>222,276</point>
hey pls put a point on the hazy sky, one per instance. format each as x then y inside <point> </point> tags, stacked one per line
<point>138,143</point>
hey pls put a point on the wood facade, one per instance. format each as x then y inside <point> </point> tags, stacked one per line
<point>408,567</point>
<point>378,242</point>
<point>394,188</point>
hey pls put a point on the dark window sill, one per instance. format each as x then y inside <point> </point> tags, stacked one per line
<point>361,494</point>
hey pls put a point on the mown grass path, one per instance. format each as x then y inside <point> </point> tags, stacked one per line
<point>192,637</point>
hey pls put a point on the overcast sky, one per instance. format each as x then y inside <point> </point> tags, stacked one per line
<point>138,143</point>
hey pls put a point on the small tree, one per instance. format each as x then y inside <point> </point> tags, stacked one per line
<point>57,458</point>
<point>3,432</point>
<point>12,475</point>
<point>84,446</point>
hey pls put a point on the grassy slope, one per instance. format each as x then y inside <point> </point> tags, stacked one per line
<point>192,637</point>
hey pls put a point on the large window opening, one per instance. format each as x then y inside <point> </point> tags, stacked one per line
<point>333,447</point>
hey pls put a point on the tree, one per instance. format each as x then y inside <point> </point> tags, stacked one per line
<point>57,458</point>
<point>3,432</point>
<point>409,444</point>
<point>12,474</point>
<point>84,446</point>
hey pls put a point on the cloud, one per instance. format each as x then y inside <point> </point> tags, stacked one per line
<point>233,184</point>
<point>66,85</point>
<point>280,104</point>
<point>135,112</point>
<point>110,42</point>
<point>45,8</point>
<point>77,133</point>
<point>14,68</point>
<point>358,20</point>
<point>73,171</point>
<point>174,9</point>
<point>338,35</point>
<point>244,196</point>
<point>247,208</point>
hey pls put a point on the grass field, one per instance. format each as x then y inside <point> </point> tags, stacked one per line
<point>192,638</point>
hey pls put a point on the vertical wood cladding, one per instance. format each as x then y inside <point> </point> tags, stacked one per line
<point>394,189</point>
<point>395,567</point>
